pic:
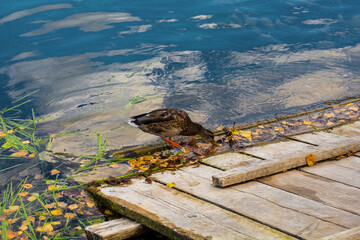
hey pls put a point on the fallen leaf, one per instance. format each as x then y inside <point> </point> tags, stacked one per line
<point>114,165</point>
<point>245,134</point>
<point>47,228</point>
<point>27,186</point>
<point>170,185</point>
<point>10,132</point>
<point>54,171</point>
<point>23,227</point>
<point>353,108</point>
<point>13,208</point>
<point>348,105</point>
<point>329,115</point>
<point>42,218</point>
<point>336,106</point>
<point>337,111</point>
<point>26,142</point>
<point>38,175</point>
<point>78,228</point>
<point>80,211</point>
<point>31,219</point>
<point>31,198</point>
<point>50,205</point>
<point>56,212</point>
<point>73,206</point>
<point>62,204</point>
<point>70,215</point>
<point>310,159</point>
<point>32,155</point>
<point>306,122</point>
<point>3,218</point>
<point>55,223</point>
<point>329,123</point>
<point>90,204</point>
<point>52,187</point>
<point>3,134</point>
<point>24,194</point>
<point>10,234</point>
<point>20,153</point>
<point>108,212</point>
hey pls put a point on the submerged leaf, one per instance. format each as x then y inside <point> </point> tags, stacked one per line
<point>20,153</point>
<point>54,171</point>
<point>27,186</point>
<point>56,212</point>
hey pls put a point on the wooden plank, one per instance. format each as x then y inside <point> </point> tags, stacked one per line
<point>230,160</point>
<point>351,234</point>
<point>295,215</point>
<point>352,162</point>
<point>348,130</point>
<point>317,188</point>
<point>180,216</point>
<point>334,171</point>
<point>287,155</point>
<point>121,228</point>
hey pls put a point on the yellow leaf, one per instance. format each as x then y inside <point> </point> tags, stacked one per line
<point>246,134</point>
<point>31,198</point>
<point>3,134</point>
<point>48,228</point>
<point>26,142</point>
<point>20,153</point>
<point>307,122</point>
<point>148,158</point>
<point>337,111</point>
<point>90,204</point>
<point>108,212</point>
<point>73,206</point>
<point>70,215</point>
<point>329,123</point>
<point>56,212</point>
<point>55,223</point>
<point>23,227</point>
<point>170,185</point>
<point>114,165</point>
<point>310,159</point>
<point>32,155</point>
<point>10,234</point>
<point>13,208</point>
<point>54,171</point>
<point>50,205</point>
<point>144,168</point>
<point>329,115</point>
<point>62,204</point>
<point>52,187</point>
<point>348,105</point>
<point>42,218</point>
<point>23,194</point>
<point>10,132</point>
<point>27,186</point>
<point>31,219</point>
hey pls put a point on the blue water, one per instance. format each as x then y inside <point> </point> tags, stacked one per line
<point>222,61</point>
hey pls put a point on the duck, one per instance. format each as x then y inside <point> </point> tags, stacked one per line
<point>170,122</point>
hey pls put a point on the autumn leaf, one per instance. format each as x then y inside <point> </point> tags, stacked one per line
<point>27,186</point>
<point>90,204</point>
<point>56,212</point>
<point>31,219</point>
<point>23,227</point>
<point>3,218</point>
<point>62,204</point>
<point>31,198</point>
<point>108,212</point>
<point>310,159</point>
<point>329,123</point>
<point>306,122</point>
<point>245,134</point>
<point>50,205</point>
<point>52,187</point>
<point>329,115</point>
<point>23,194</point>
<point>54,171</point>
<point>114,165</point>
<point>170,185</point>
<point>70,215</point>
<point>32,155</point>
<point>20,153</point>
<point>42,218</point>
<point>10,234</point>
<point>26,142</point>
<point>3,134</point>
<point>13,208</point>
<point>73,206</point>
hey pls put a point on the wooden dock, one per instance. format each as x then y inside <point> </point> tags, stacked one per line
<point>228,197</point>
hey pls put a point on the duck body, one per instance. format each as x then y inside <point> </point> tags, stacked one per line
<point>170,122</point>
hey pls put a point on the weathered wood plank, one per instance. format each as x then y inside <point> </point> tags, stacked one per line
<point>348,130</point>
<point>230,160</point>
<point>335,171</point>
<point>287,155</point>
<point>318,188</point>
<point>304,217</point>
<point>121,228</point>
<point>351,234</point>
<point>352,162</point>
<point>180,216</point>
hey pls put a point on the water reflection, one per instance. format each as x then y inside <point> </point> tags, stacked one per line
<point>221,62</point>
